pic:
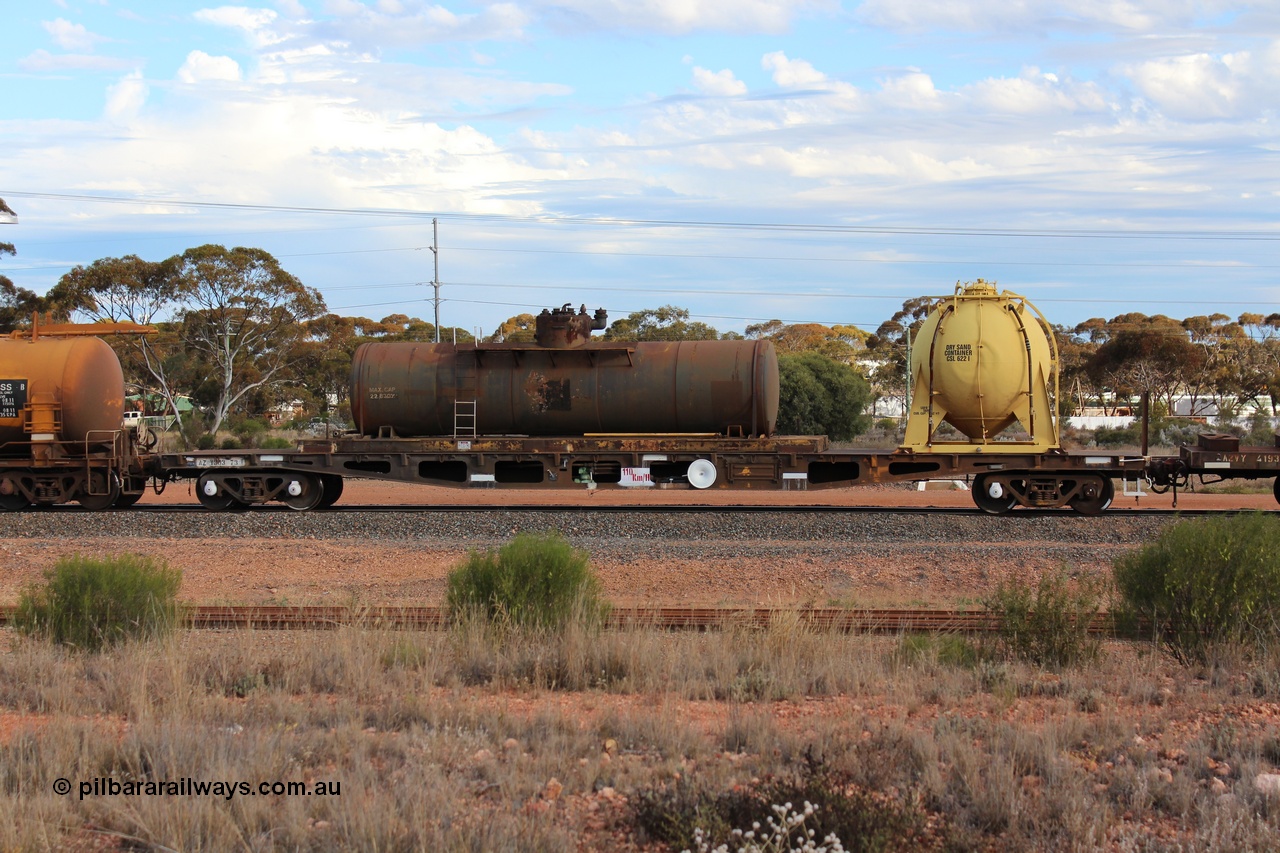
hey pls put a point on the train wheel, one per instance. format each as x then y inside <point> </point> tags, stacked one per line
<point>331,486</point>
<point>212,496</point>
<point>11,498</point>
<point>302,492</point>
<point>1276,489</point>
<point>127,500</point>
<point>107,492</point>
<point>1096,494</point>
<point>992,496</point>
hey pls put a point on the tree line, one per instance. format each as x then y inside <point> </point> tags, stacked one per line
<point>238,334</point>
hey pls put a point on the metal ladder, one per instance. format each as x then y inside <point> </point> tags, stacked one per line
<point>464,410</point>
<point>464,418</point>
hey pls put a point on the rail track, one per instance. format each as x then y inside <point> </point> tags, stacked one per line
<point>649,509</point>
<point>871,621</point>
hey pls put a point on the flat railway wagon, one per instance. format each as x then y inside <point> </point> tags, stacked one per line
<point>311,476</point>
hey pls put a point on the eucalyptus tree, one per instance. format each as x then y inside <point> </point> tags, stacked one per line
<point>667,323</point>
<point>145,292</point>
<point>243,316</point>
<point>1144,354</point>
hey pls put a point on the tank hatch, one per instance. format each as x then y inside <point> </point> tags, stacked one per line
<point>561,328</point>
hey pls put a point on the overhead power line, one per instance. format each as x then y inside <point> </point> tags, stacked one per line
<point>563,220</point>
<point>693,291</point>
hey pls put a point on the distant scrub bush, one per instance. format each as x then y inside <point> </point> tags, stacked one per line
<point>535,580</point>
<point>90,602</point>
<point>944,649</point>
<point>1047,625</point>
<point>248,430</point>
<point>1117,436</point>
<point>1206,583</point>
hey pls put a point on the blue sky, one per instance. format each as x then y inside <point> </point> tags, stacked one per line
<point>1098,157</point>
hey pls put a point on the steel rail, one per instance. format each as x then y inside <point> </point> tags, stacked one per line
<point>650,509</point>
<point>837,619</point>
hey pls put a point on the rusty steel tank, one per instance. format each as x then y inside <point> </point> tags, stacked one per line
<point>564,383</point>
<point>59,389</point>
<point>982,361</point>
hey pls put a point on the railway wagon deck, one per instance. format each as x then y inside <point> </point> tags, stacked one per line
<point>310,476</point>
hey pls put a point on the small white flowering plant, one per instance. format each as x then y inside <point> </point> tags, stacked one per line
<point>784,832</point>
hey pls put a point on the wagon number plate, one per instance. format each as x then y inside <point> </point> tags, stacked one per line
<point>13,397</point>
<point>229,462</point>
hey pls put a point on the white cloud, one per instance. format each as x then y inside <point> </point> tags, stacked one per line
<point>41,61</point>
<point>792,73</point>
<point>721,83</point>
<point>200,67</point>
<point>1039,141</point>
<point>912,89</point>
<point>257,24</point>
<point>1133,16</point>
<point>409,22</point>
<point>126,98</point>
<point>800,74</point>
<point>1036,93</point>
<point>69,36</point>
<point>1202,86</point>
<point>676,17</point>
<point>1196,86</point>
<point>237,17</point>
<point>314,123</point>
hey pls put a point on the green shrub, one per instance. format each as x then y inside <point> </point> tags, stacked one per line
<point>944,649</point>
<point>230,443</point>
<point>1118,436</point>
<point>206,442</point>
<point>535,580</point>
<point>248,430</point>
<point>275,442</point>
<point>1048,625</point>
<point>89,602</point>
<point>1206,583</point>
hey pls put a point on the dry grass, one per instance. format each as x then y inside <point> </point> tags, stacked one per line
<point>1262,486</point>
<point>478,740</point>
